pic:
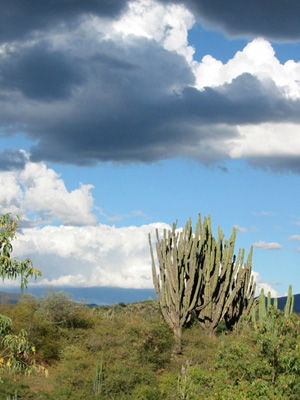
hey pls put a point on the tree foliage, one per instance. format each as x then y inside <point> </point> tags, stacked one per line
<point>11,268</point>
<point>16,353</point>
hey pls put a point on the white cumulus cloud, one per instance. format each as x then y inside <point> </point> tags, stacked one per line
<point>294,237</point>
<point>240,229</point>
<point>168,25</point>
<point>40,191</point>
<point>257,58</point>
<point>261,284</point>
<point>267,246</point>
<point>11,195</point>
<point>266,140</point>
<point>98,255</point>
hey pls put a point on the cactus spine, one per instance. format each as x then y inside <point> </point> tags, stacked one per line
<point>180,276</point>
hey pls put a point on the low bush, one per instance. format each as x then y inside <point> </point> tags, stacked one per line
<point>133,346</point>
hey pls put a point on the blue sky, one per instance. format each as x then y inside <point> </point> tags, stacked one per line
<point>122,117</point>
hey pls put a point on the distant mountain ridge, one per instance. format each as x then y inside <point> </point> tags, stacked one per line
<point>12,298</point>
<point>90,295</point>
<point>108,295</point>
<point>282,301</point>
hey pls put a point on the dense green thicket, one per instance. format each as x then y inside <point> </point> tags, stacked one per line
<point>125,352</point>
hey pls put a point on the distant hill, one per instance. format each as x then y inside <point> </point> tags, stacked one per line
<point>282,301</point>
<point>94,295</point>
<point>108,295</point>
<point>11,298</point>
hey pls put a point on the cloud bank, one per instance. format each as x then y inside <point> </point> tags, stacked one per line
<point>97,255</point>
<point>21,19</point>
<point>61,235</point>
<point>116,81</point>
<point>112,80</point>
<point>267,286</point>
<point>249,18</point>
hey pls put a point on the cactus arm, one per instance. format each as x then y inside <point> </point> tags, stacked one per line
<point>154,275</point>
<point>262,307</point>
<point>269,301</point>
<point>288,309</point>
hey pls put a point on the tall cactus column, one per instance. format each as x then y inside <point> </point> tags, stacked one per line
<point>288,309</point>
<point>198,272</point>
<point>177,284</point>
<point>242,294</point>
<point>228,289</point>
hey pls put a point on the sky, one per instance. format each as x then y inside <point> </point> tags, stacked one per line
<point>120,117</point>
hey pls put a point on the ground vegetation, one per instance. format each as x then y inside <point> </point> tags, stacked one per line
<point>125,352</point>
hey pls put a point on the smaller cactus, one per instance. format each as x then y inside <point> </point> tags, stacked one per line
<point>269,301</point>
<point>289,305</point>
<point>262,312</point>
<point>263,307</point>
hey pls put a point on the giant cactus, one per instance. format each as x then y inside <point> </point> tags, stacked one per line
<point>228,287</point>
<point>180,256</point>
<point>197,272</point>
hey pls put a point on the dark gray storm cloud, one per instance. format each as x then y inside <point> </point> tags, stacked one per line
<point>127,102</point>
<point>12,160</point>
<point>246,100</point>
<point>84,98</point>
<point>273,19</point>
<point>40,73</point>
<point>277,163</point>
<point>18,18</point>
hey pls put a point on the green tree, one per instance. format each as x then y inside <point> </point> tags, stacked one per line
<point>15,350</point>
<point>10,268</point>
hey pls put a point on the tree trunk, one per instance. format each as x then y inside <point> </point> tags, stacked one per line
<point>177,336</point>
